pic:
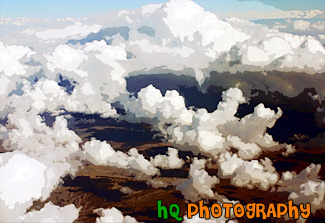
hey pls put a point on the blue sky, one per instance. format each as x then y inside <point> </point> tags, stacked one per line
<point>82,8</point>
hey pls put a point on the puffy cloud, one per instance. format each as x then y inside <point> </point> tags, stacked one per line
<point>38,157</point>
<point>270,48</point>
<point>35,138</point>
<point>155,183</point>
<point>304,187</point>
<point>318,25</point>
<point>199,131</point>
<point>184,18</point>
<point>150,103</point>
<point>285,14</point>
<point>10,57</point>
<point>126,190</point>
<point>75,30</point>
<point>169,161</point>
<point>53,213</point>
<point>301,25</point>
<point>199,183</point>
<point>252,127</point>
<point>67,58</point>
<point>179,45</point>
<point>245,150</point>
<point>138,162</point>
<point>228,164</point>
<point>248,174</point>
<point>146,47</point>
<point>7,85</point>
<point>19,170</point>
<point>112,215</point>
<point>101,153</point>
<point>253,173</point>
<point>109,55</point>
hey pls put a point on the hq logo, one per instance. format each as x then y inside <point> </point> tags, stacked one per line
<point>251,210</point>
<point>173,211</point>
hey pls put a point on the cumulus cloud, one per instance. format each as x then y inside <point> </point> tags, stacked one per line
<point>199,183</point>
<point>305,187</point>
<point>48,95</point>
<point>301,25</point>
<point>169,161</point>
<point>20,169</point>
<point>67,58</point>
<point>41,156</point>
<point>228,164</point>
<point>156,183</point>
<point>285,14</point>
<point>101,153</point>
<point>10,59</point>
<point>248,174</point>
<point>112,215</point>
<point>282,54</point>
<point>183,24</point>
<point>53,213</point>
<point>199,131</point>
<point>182,46</point>
<point>253,173</point>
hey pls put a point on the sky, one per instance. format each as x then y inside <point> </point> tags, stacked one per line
<point>83,8</point>
<point>294,4</point>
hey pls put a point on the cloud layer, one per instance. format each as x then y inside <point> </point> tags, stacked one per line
<point>80,65</point>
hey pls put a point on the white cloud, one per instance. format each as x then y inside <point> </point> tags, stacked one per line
<point>75,30</point>
<point>294,14</point>
<point>301,25</point>
<point>184,18</point>
<point>181,45</point>
<point>305,187</point>
<point>254,174</point>
<point>112,215</point>
<point>199,183</point>
<point>41,156</point>
<point>53,213</point>
<point>101,153</point>
<point>169,161</point>
<point>201,131</point>
<point>248,174</point>
<point>10,57</point>
<point>151,8</point>
<point>67,58</point>
<point>21,170</point>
